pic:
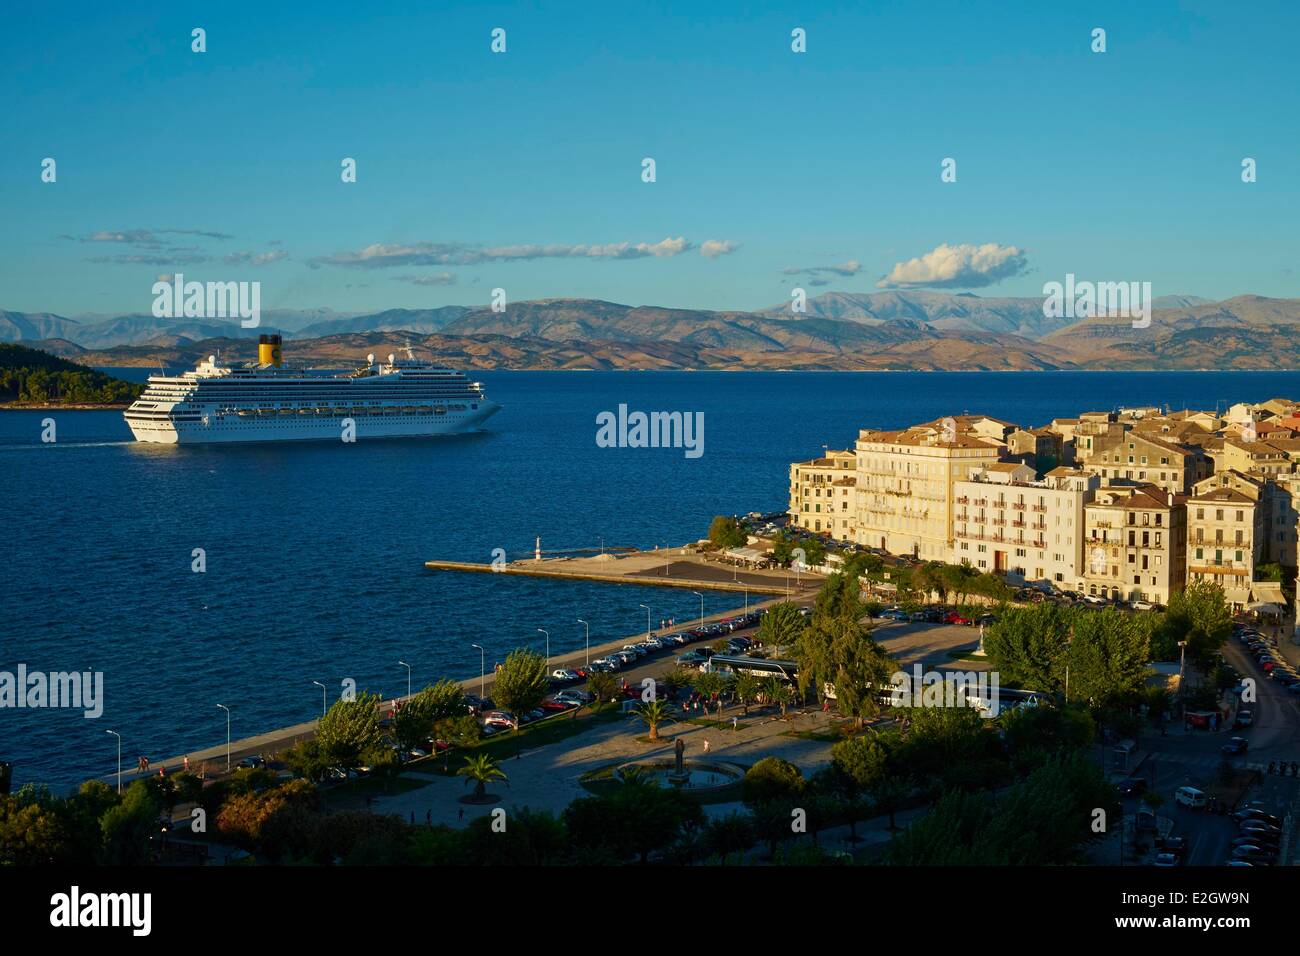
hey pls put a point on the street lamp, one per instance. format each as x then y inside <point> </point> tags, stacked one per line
<point>227,710</point>
<point>482,672</point>
<point>588,626</point>
<point>119,758</point>
<point>408,678</point>
<point>647,619</point>
<point>548,645</point>
<point>701,597</point>
<point>322,696</point>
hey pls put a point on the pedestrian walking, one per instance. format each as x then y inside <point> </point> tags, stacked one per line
<point>706,746</point>
<point>187,763</point>
<point>735,724</point>
<point>461,815</point>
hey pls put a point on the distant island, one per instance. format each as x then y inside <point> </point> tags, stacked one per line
<point>30,378</point>
<point>837,331</point>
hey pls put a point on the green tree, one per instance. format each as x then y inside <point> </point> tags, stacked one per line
<point>415,720</point>
<point>349,729</point>
<point>778,692</point>
<point>481,770</point>
<point>710,684</point>
<point>603,687</point>
<point>654,713</point>
<point>633,820</point>
<point>1200,616</point>
<point>781,625</point>
<point>726,532</point>
<point>533,838</point>
<point>130,826</point>
<point>307,760</point>
<point>1108,656</point>
<point>771,779</point>
<point>521,682</point>
<point>826,644</point>
<point>783,549</point>
<point>1027,646</point>
<point>862,671</point>
<point>746,688</point>
<point>731,834</point>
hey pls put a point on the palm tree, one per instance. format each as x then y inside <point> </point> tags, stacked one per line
<point>482,769</point>
<point>746,688</point>
<point>654,712</point>
<point>779,692</point>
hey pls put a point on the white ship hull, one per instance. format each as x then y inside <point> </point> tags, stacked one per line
<point>217,404</point>
<point>232,428</point>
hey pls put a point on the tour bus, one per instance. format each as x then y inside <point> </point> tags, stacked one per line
<point>759,667</point>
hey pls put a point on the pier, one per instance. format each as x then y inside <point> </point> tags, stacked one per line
<point>664,568</point>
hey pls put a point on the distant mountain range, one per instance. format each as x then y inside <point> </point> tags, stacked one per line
<point>838,330</point>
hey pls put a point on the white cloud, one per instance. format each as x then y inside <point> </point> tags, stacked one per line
<point>256,258</point>
<point>850,268</point>
<point>712,248</point>
<point>437,278</point>
<point>957,267</point>
<point>385,255</point>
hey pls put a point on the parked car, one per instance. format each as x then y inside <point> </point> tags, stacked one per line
<point>565,674</point>
<point>636,650</point>
<point>1244,719</point>
<point>1190,797</point>
<point>1166,859</point>
<point>499,718</point>
<point>1236,745</point>
<point>1259,826</point>
<point>956,617</point>
<point>1143,606</point>
<point>554,705</point>
<point>1132,786</point>
<point>1254,813</point>
<point>575,697</point>
<point>1253,854</point>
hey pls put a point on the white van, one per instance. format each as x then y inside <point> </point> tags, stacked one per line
<point>1190,797</point>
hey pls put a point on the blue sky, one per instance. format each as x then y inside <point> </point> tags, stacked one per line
<point>478,170</point>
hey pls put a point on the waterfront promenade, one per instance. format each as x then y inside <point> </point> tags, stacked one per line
<point>267,744</point>
<point>681,567</point>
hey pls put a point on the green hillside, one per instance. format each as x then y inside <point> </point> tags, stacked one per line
<point>30,376</point>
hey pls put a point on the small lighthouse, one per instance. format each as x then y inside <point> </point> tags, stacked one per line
<point>537,549</point>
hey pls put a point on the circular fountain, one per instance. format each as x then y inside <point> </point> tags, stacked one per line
<point>684,775</point>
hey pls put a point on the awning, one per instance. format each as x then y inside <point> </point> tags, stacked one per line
<point>1269,592</point>
<point>1265,607</point>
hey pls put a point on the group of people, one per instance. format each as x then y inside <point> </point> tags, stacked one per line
<point>142,765</point>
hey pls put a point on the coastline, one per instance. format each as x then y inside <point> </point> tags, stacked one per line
<point>64,408</point>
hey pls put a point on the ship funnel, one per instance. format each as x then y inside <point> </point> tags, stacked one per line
<point>268,350</point>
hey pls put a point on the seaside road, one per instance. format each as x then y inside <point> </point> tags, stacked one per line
<point>213,759</point>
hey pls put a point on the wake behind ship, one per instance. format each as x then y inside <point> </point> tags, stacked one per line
<point>264,401</point>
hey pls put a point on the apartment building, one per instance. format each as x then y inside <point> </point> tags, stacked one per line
<point>1136,543</point>
<point>1129,456</point>
<point>905,481</point>
<point>1032,531</point>
<point>1039,448</point>
<point>1258,457</point>
<point>1228,520</point>
<point>1284,523</point>
<point>822,494</point>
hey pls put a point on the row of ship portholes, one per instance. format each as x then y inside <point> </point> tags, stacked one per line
<point>333,412</point>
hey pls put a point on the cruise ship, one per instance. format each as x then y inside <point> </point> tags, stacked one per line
<point>263,401</point>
